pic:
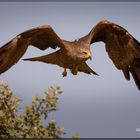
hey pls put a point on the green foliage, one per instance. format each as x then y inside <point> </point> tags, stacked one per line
<point>29,123</point>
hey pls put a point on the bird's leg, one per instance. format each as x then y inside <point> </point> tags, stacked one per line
<point>64,72</point>
<point>75,70</point>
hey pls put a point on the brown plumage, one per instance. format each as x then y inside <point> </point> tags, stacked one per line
<point>122,48</point>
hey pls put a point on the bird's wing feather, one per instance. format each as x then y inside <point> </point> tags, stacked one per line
<point>122,48</point>
<point>41,37</point>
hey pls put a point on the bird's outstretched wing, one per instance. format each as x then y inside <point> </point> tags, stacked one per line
<point>41,37</point>
<point>122,48</point>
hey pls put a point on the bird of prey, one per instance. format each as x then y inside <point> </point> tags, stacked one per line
<point>122,48</point>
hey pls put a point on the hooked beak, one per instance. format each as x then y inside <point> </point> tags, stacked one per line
<point>87,55</point>
<point>90,57</point>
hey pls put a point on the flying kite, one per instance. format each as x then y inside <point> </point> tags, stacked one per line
<point>122,48</point>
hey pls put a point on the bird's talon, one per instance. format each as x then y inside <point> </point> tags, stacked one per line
<point>64,73</point>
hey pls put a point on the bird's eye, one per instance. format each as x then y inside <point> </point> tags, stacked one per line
<point>84,52</point>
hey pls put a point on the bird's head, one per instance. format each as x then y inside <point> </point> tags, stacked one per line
<point>86,54</point>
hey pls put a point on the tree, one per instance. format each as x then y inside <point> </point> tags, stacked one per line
<point>29,123</point>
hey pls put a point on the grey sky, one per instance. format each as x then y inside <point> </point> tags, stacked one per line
<point>94,106</point>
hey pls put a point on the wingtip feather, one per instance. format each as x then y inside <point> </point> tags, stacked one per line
<point>136,76</point>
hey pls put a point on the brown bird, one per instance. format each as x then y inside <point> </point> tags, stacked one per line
<point>122,48</point>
